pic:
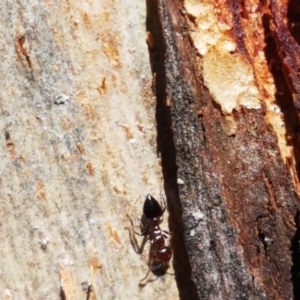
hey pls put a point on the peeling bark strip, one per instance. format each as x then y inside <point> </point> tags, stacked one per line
<point>239,205</point>
<point>288,46</point>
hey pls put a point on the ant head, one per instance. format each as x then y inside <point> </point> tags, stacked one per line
<point>152,209</point>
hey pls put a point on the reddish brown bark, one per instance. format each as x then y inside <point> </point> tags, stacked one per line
<point>238,203</point>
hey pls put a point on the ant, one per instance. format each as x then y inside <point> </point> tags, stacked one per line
<point>160,252</point>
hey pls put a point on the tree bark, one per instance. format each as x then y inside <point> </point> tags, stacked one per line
<point>90,122</point>
<point>227,84</point>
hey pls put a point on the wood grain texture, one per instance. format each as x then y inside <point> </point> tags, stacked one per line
<point>234,139</point>
<point>87,110</point>
<point>78,150</point>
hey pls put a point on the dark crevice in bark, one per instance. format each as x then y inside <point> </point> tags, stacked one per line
<point>293,16</point>
<point>237,10</point>
<point>283,94</point>
<point>285,101</point>
<point>262,238</point>
<point>295,248</point>
<point>166,148</point>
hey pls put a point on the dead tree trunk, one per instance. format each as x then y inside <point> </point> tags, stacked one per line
<point>79,149</point>
<point>227,86</point>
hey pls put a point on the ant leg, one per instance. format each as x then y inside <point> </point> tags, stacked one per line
<point>141,280</point>
<point>89,289</point>
<point>167,238</point>
<point>167,235</point>
<point>163,197</point>
<point>143,227</point>
<point>141,248</point>
<point>138,249</point>
<point>133,240</point>
<point>150,261</point>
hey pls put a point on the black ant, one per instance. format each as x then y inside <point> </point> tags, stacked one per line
<point>160,252</point>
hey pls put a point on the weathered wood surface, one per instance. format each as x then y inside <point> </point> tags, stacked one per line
<point>80,144</point>
<point>78,150</point>
<point>226,76</point>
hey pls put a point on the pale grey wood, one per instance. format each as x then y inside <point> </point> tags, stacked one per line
<point>78,149</point>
